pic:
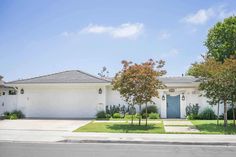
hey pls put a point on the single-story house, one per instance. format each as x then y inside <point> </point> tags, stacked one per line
<point>76,94</point>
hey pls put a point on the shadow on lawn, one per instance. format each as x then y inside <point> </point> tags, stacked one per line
<point>129,128</point>
<point>214,128</point>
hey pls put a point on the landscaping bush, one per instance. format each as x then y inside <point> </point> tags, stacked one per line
<point>116,115</point>
<point>154,116</point>
<point>150,109</point>
<point>6,115</point>
<point>138,115</point>
<point>13,116</point>
<point>230,113</point>
<point>128,116</point>
<point>192,109</point>
<point>18,114</point>
<point>101,114</point>
<point>111,109</point>
<point>192,117</point>
<point>207,114</point>
<point>144,115</point>
<point>108,116</point>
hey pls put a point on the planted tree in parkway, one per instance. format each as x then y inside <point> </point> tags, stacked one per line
<point>138,84</point>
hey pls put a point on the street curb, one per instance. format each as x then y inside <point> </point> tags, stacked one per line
<point>149,142</point>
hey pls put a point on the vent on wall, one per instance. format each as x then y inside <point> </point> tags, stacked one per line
<point>172,90</point>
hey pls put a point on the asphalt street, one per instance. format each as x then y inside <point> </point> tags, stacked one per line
<point>12,149</point>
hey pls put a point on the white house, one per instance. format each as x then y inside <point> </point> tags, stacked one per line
<point>76,94</point>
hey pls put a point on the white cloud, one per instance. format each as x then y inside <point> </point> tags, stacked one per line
<point>200,17</point>
<point>164,35</point>
<point>172,53</point>
<point>126,30</point>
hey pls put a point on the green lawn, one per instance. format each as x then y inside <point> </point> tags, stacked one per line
<point>121,128</point>
<point>210,127</point>
<point>205,127</point>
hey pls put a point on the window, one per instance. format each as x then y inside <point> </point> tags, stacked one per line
<point>12,92</point>
<point>3,93</point>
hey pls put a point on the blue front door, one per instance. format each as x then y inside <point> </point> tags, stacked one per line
<point>173,106</point>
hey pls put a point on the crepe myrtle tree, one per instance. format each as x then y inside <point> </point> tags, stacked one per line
<point>217,81</point>
<point>138,83</point>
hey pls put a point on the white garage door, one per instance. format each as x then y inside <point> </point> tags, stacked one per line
<point>62,102</point>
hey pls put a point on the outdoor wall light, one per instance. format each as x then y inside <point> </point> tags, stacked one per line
<point>183,97</point>
<point>100,91</point>
<point>22,91</point>
<point>163,97</point>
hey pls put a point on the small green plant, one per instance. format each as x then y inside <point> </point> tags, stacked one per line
<point>6,115</point>
<point>138,115</point>
<point>207,114</point>
<point>128,116</point>
<point>13,116</point>
<point>18,113</point>
<point>154,116</point>
<point>116,115</point>
<point>144,115</point>
<point>192,117</point>
<point>150,109</point>
<point>108,116</point>
<point>101,114</point>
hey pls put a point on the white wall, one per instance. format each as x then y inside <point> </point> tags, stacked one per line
<point>83,101</point>
<point>7,102</point>
<point>64,101</point>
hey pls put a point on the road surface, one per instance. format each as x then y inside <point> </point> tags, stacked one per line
<point>12,149</point>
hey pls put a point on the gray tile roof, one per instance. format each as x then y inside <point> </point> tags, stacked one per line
<point>72,76</point>
<point>179,79</point>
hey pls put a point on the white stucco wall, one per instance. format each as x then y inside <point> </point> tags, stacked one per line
<point>61,101</point>
<point>83,100</point>
<point>7,102</point>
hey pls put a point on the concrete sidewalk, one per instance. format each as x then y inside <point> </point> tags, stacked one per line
<point>151,138</point>
<point>71,137</point>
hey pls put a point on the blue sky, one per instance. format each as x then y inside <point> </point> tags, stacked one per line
<point>47,36</point>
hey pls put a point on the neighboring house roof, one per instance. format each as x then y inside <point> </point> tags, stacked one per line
<point>72,76</point>
<point>179,79</point>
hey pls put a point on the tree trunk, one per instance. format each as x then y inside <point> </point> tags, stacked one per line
<point>132,119</point>
<point>139,121</point>
<point>233,114</point>
<point>146,114</point>
<point>225,113</point>
<point>218,111</point>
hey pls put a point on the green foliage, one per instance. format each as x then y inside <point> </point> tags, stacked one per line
<point>101,114</point>
<point>13,116</point>
<point>138,115</point>
<point>16,114</point>
<point>138,83</point>
<point>154,116</point>
<point>221,40</point>
<point>192,109</point>
<point>192,117</point>
<point>111,109</point>
<point>116,115</point>
<point>128,116</point>
<point>144,115</point>
<point>150,109</point>
<point>207,114</point>
<point>230,113</point>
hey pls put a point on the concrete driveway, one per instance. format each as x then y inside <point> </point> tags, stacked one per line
<point>42,125</point>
